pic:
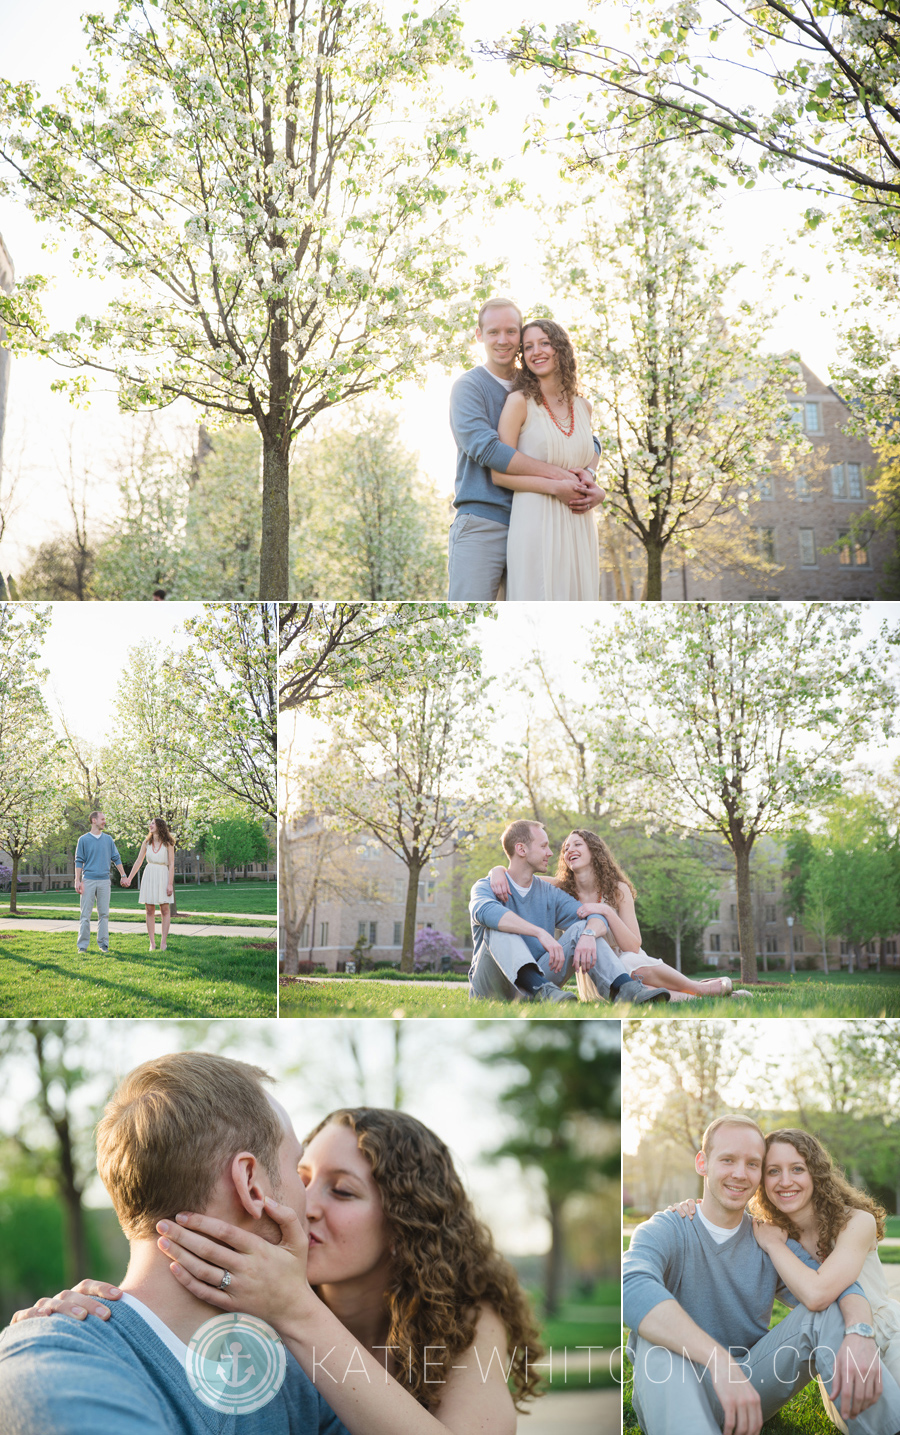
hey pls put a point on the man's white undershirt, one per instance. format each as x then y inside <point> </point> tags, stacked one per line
<point>168,1337</point>
<point>718,1233</point>
<point>504,383</point>
<point>522,891</point>
<point>92,833</point>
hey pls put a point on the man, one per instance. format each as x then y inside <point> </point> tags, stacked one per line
<point>188,1131</point>
<point>93,855</point>
<point>515,951</point>
<point>698,1297</point>
<point>479,531</point>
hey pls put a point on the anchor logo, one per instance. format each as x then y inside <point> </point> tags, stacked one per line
<point>235,1363</point>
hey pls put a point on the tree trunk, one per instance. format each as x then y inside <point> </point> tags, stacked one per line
<point>654,572</point>
<point>14,882</point>
<point>741,849</point>
<point>291,951</point>
<point>554,1264</point>
<point>678,950</point>
<point>409,917</point>
<point>273,553</point>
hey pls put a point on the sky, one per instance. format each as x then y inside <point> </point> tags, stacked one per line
<point>773,1047</point>
<point>564,640</point>
<point>446,1085</point>
<point>86,651</point>
<point>40,424</point>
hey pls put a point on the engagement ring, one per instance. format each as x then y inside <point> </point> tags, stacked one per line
<point>225,1282</point>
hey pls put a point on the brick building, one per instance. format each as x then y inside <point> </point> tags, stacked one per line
<point>55,871</point>
<point>358,890</point>
<point>794,517</point>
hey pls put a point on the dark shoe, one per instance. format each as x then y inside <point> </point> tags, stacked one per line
<point>636,992</point>
<point>550,992</point>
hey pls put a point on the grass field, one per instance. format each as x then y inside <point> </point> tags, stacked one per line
<point>44,975</point>
<point>864,994</point>
<point>261,897</point>
<point>596,1325</point>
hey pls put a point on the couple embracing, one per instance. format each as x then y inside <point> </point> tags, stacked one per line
<point>699,1282</point>
<point>526,468</point>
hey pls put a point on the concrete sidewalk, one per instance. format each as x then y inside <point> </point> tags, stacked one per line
<point>136,929</point>
<point>74,911</point>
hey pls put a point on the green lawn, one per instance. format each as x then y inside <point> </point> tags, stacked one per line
<point>362,998</point>
<point>259,897</point>
<point>44,975</point>
<point>594,1323</point>
<point>864,994</point>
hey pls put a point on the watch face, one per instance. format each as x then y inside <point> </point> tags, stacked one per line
<point>860,1329</point>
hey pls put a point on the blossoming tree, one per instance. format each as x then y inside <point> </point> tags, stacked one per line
<point>278,192</point>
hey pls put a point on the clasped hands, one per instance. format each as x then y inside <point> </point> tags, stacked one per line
<point>587,493</point>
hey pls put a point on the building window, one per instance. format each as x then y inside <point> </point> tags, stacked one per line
<point>771,946</point>
<point>765,487</point>
<point>361,932</point>
<point>733,913</point>
<point>735,942</point>
<point>811,421</point>
<point>714,943</point>
<point>398,934</point>
<point>765,543</point>
<point>770,912</point>
<point>373,934</point>
<point>854,480</point>
<point>807,548</point>
<point>854,552</point>
<point>426,891</point>
<point>801,487</point>
<point>890,947</point>
<point>838,481</point>
<point>323,934</point>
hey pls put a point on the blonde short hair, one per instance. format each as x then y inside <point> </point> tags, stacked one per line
<point>171,1127</point>
<point>497,303</point>
<point>713,1127</point>
<point>518,832</point>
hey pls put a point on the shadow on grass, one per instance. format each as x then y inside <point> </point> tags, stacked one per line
<point>200,976</point>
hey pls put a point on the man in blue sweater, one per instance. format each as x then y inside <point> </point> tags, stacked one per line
<point>516,954</point>
<point>479,531</point>
<point>698,1294</point>
<point>184,1132</point>
<point>93,856</point>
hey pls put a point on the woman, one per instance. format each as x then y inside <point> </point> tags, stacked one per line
<point>551,552</point>
<point>588,871</point>
<point>397,1273</point>
<point>158,881</point>
<point>803,1196</point>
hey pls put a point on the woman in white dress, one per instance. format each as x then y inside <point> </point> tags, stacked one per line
<point>551,552</point>
<point>587,870</point>
<point>158,881</point>
<point>804,1196</point>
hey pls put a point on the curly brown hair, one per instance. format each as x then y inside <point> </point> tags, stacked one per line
<point>162,830</point>
<point>445,1264</point>
<point>604,865</point>
<point>833,1197</point>
<point>528,383</point>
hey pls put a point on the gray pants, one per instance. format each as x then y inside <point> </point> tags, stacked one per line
<point>674,1396</point>
<point>503,954</point>
<point>94,887</point>
<point>477,558</point>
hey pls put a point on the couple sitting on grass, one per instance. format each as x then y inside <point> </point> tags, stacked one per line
<point>97,852</point>
<point>515,912</point>
<point>699,1281</point>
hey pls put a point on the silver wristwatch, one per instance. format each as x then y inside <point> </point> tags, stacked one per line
<point>860,1329</point>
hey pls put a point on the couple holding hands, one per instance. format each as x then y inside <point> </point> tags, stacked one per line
<point>96,852</point>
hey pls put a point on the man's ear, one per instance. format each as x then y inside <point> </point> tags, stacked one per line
<point>700,1163</point>
<point>251,1184</point>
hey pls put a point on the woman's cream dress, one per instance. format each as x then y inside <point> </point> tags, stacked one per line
<point>551,552</point>
<point>886,1324</point>
<point>155,877</point>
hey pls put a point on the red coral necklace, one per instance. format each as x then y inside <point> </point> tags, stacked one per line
<point>566,433</point>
